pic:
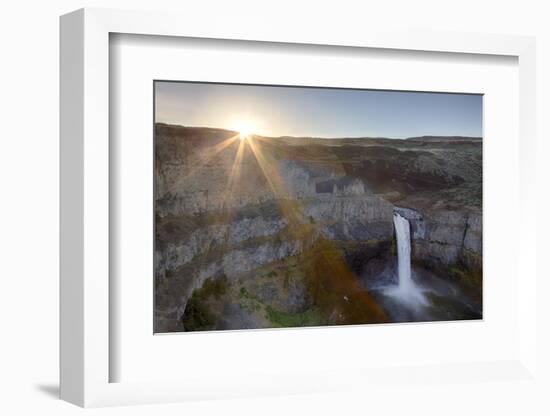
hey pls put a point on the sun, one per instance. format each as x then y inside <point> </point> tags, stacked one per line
<point>245,129</point>
<point>245,132</point>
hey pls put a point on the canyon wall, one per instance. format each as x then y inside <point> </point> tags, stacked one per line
<point>253,222</point>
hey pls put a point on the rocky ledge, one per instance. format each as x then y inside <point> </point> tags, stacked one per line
<point>238,243</point>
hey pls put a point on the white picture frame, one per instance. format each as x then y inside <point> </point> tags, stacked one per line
<point>85,163</point>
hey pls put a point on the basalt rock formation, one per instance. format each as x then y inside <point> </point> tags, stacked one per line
<point>285,231</point>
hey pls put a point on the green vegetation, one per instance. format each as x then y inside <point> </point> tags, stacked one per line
<point>447,308</point>
<point>463,276</point>
<point>311,317</point>
<point>198,315</point>
<point>469,279</point>
<point>468,271</point>
<point>248,301</point>
<point>214,287</point>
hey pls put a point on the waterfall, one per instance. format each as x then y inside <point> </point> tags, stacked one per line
<point>403,235</point>
<point>406,288</point>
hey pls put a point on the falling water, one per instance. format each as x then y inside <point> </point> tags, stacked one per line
<point>406,289</point>
<point>403,235</point>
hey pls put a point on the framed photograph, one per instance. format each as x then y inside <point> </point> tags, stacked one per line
<point>291,211</point>
<point>280,207</point>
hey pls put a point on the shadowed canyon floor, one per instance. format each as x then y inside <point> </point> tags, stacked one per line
<point>289,232</point>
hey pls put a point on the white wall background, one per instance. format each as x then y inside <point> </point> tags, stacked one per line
<point>29,57</point>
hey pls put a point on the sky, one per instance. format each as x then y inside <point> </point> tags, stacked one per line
<point>318,112</point>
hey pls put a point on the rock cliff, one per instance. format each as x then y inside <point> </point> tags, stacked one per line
<point>239,227</point>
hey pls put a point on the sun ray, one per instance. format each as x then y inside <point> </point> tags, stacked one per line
<point>291,209</point>
<point>331,281</point>
<point>235,170</point>
<point>202,160</point>
<point>332,274</point>
<point>210,153</point>
<point>227,211</point>
<point>269,171</point>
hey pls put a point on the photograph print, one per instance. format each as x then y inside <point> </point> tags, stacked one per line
<point>288,206</point>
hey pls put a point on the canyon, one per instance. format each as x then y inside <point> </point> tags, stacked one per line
<point>297,231</point>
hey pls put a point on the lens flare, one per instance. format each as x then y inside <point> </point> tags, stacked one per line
<point>246,129</point>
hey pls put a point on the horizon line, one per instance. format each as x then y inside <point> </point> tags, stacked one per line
<point>325,137</point>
